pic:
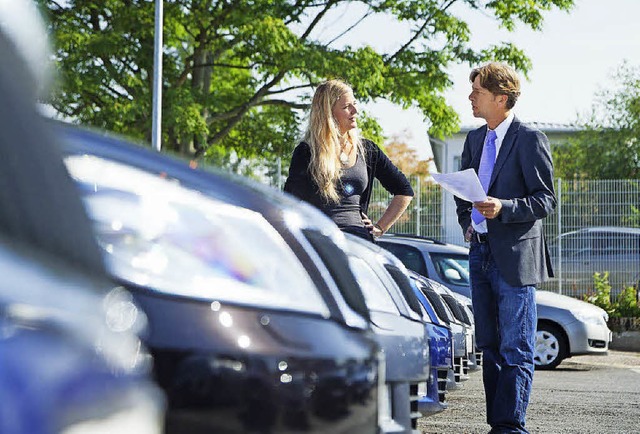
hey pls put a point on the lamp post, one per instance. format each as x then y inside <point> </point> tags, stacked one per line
<point>156,126</point>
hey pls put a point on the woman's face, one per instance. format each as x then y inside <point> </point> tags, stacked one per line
<point>345,112</point>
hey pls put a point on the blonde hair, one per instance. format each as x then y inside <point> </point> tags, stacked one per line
<point>323,137</point>
<point>499,79</point>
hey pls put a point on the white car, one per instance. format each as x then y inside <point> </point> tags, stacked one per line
<point>568,327</point>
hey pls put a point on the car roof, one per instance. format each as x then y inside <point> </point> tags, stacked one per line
<point>424,243</point>
<point>607,229</point>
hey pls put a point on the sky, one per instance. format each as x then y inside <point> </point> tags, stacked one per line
<point>573,57</point>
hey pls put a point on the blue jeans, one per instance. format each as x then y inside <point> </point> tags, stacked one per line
<point>506,320</point>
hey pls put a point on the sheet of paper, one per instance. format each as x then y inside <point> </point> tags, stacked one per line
<point>464,184</point>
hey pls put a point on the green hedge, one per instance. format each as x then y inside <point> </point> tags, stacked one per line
<point>625,305</point>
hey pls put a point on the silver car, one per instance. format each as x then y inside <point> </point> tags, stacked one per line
<point>568,327</point>
<point>596,249</point>
<point>396,320</point>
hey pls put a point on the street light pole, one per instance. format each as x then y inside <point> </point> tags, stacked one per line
<point>156,128</point>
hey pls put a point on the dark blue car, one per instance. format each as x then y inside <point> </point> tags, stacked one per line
<point>256,323</point>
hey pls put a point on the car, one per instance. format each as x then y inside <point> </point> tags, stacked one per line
<point>255,321</point>
<point>441,351</point>
<point>577,255</point>
<point>468,361</point>
<point>459,373</point>
<point>442,262</point>
<point>467,305</point>
<point>566,326</point>
<point>399,329</point>
<point>70,357</point>
<point>461,308</point>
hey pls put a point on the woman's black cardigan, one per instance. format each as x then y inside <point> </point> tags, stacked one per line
<point>300,184</point>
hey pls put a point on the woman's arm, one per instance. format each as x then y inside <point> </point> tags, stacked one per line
<point>299,181</point>
<point>396,208</point>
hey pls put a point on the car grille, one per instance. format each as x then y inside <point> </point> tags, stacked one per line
<point>594,343</point>
<point>460,368</point>
<point>442,385</point>
<point>413,399</point>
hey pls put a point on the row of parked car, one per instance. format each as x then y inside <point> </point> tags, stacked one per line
<point>262,316</point>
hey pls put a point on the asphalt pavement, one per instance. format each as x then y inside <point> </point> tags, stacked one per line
<point>585,394</point>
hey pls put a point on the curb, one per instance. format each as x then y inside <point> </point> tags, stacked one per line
<point>626,341</point>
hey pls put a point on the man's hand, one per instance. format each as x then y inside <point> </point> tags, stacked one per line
<point>468,234</point>
<point>489,208</point>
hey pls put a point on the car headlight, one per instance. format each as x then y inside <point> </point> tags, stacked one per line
<point>590,316</point>
<point>161,235</point>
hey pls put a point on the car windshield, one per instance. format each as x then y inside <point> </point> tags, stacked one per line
<point>453,269</point>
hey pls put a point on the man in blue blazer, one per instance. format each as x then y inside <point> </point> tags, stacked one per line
<point>508,254</point>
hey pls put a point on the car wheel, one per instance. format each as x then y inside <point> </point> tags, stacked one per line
<point>550,348</point>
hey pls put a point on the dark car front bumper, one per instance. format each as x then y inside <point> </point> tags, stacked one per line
<point>230,369</point>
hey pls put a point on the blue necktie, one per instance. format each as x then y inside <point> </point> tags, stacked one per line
<point>487,161</point>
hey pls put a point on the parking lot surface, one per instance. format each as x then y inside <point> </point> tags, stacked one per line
<point>585,394</point>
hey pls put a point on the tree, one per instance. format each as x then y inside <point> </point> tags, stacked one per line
<point>609,145</point>
<point>405,157</point>
<point>238,74</point>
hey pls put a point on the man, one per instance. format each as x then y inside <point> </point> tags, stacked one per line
<point>508,253</point>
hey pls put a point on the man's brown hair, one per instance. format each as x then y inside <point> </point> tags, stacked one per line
<point>499,79</point>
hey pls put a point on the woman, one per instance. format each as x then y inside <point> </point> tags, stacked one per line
<point>333,169</point>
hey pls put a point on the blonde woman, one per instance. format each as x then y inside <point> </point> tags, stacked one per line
<point>333,168</point>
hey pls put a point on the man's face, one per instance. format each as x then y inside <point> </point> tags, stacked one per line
<point>483,103</point>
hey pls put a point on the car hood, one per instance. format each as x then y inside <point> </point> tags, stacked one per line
<point>551,299</point>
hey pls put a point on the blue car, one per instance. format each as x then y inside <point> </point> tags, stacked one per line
<point>71,361</point>
<point>458,332</point>
<point>256,324</point>
<point>441,348</point>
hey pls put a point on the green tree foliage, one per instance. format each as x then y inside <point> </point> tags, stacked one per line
<point>609,145</point>
<point>238,74</point>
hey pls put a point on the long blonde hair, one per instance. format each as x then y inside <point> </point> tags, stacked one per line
<point>323,137</point>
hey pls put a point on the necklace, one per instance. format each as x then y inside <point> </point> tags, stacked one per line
<point>344,156</point>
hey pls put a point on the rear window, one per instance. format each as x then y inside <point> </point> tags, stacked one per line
<point>410,256</point>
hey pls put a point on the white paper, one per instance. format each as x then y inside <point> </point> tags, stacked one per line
<point>464,184</point>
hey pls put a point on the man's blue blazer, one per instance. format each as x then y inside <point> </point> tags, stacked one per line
<point>522,179</point>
